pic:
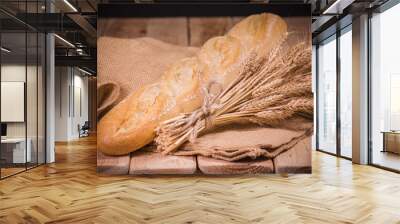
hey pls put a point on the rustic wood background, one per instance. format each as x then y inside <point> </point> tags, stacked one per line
<point>195,32</point>
<point>189,31</point>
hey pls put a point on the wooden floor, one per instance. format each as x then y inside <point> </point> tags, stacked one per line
<point>10,171</point>
<point>386,159</point>
<point>70,191</point>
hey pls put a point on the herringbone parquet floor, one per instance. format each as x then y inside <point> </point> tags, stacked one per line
<point>70,191</point>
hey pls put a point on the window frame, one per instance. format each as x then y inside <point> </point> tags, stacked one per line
<point>381,9</point>
<point>337,35</point>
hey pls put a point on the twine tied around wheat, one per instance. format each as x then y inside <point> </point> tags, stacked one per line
<point>267,91</point>
<point>206,112</point>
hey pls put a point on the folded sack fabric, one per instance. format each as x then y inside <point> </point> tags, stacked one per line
<point>107,96</point>
<point>233,142</point>
<point>132,63</point>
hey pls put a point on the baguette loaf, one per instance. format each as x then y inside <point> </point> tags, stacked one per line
<point>131,124</point>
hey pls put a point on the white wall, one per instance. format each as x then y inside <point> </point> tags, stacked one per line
<point>80,110</point>
<point>12,73</point>
<point>70,83</point>
<point>61,103</point>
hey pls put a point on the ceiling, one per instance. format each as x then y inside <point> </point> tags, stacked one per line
<point>76,21</point>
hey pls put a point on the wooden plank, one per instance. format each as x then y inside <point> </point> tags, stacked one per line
<point>117,165</point>
<point>217,167</point>
<point>295,160</point>
<point>299,29</point>
<point>237,19</point>
<point>170,30</point>
<point>202,29</point>
<point>146,162</point>
<point>122,27</point>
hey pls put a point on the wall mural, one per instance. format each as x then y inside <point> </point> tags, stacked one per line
<point>198,95</point>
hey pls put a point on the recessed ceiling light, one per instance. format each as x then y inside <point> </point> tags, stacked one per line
<point>5,50</point>
<point>84,71</point>
<point>64,40</point>
<point>70,5</point>
<point>338,6</point>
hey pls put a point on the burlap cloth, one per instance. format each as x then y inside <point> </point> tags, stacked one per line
<point>124,65</point>
<point>245,140</point>
<point>237,136</point>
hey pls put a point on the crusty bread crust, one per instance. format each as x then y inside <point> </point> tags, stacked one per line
<point>131,124</point>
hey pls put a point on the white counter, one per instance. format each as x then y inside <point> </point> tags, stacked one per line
<point>18,145</point>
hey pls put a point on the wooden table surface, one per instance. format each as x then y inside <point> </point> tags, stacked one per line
<point>295,160</point>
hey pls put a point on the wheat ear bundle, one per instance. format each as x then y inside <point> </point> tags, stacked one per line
<point>267,91</point>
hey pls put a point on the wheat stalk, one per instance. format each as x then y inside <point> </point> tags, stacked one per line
<point>268,90</point>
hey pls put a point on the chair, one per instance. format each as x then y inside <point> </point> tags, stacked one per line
<point>84,130</point>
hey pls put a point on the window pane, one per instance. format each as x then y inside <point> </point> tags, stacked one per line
<point>346,94</point>
<point>385,95</point>
<point>327,96</point>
